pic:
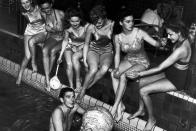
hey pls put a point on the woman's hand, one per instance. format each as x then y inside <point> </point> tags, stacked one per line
<point>116,73</point>
<point>133,74</point>
<point>163,41</point>
<point>85,63</point>
<point>59,60</point>
<point>49,28</point>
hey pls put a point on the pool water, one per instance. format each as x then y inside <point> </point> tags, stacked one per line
<point>25,108</point>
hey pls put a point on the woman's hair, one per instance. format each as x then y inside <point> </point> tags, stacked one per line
<point>74,12</point>
<point>98,11</point>
<point>177,26</point>
<point>65,90</point>
<point>124,12</point>
<point>45,1</point>
<point>23,10</point>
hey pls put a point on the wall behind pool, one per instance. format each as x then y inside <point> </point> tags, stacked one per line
<point>172,113</point>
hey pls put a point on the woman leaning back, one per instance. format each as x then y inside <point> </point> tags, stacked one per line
<point>35,32</point>
<point>175,68</point>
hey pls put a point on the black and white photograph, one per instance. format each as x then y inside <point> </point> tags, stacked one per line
<point>97,65</point>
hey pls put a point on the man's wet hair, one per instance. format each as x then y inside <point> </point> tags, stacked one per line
<point>65,90</point>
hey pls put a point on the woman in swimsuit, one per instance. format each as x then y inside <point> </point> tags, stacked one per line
<point>54,27</point>
<point>34,33</point>
<point>97,52</point>
<point>130,41</point>
<point>175,68</point>
<point>73,44</point>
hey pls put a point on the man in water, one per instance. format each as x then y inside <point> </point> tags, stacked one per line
<point>62,116</point>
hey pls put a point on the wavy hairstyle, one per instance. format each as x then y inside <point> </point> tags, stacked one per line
<point>74,12</point>
<point>98,11</point>
<point>177,26</point>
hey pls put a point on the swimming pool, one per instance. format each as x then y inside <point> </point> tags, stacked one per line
<point>26,109</point>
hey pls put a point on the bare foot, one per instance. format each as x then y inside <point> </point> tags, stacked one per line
<point>34,67</point>
<point>113,111</point>
<point>150,124</point>
<point>47,87</point>
<point>81,95</point>
<point>78,83</point>
<point>78,89</point>
<point>136,114</point>
<point>18,81</point>
<point>120,110</point>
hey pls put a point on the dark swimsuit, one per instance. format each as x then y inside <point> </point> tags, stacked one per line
<point>102,43</point>
<point>178,76</point>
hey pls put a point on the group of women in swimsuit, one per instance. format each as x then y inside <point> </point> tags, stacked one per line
<point>96,45</point>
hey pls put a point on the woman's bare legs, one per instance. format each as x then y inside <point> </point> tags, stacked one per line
<point>25,59</point>
<point>93,61</point>
<point>124,65</point>
<point>143,82</point>
<point>69,69</point>
<point>162,85</point>
<point>105,62</point>
<point>50,42</point>
<point>36,39</point>
<point>54,51</point>
<point>76,64</point>
<point>122,88</point>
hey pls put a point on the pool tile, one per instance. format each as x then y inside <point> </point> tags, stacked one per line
<point>39,76</point>
<point>93,101</point>
<point>43,78</point>
<point>141,124</point>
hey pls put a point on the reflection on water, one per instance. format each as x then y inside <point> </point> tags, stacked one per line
<point>25,109</point>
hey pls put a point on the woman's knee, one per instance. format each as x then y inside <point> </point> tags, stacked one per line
<point>143,92</point>
<point>93,70</point>
<point>53,52</point>
<point>45,51</point>
<point>27,57</point>
<point>31,42</point>
<point>69,65</point>
<point>123,77</point>
<point>75,59</point>
<point>104,68</point>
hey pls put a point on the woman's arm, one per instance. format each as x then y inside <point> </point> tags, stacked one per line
<point>60,19</point>
<point>150,40</point>
<point>86,43</point>
<point>117,52</point>
<point>64,44</point>
<point>175,56</point>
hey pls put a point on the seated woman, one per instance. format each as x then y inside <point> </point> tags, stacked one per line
<point>34,33</point>
<point>73,44</point>
<point>54,27</point>
<point>175,66</point>
<point>97,54</point>
<point>130,41</point>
